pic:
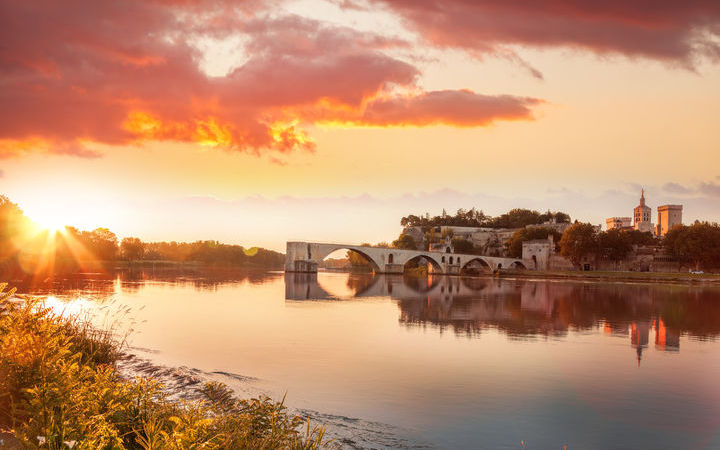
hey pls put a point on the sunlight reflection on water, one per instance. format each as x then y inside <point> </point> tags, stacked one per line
<point>454,362</point>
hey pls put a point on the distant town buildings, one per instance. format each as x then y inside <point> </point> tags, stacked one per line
<point>491,241</point>
<point>619,222</point>
<point>668,217</point>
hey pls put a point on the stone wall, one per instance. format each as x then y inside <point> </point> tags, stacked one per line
<point>537,253</point>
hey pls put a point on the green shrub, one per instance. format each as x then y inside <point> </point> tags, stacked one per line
<point>59,388</point>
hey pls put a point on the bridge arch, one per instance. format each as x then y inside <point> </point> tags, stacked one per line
<point>325,252</point>
<point>517,265</point>
<point>436,265</point>
<point>482,263</point>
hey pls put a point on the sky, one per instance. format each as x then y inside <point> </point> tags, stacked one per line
<point>257,122</point>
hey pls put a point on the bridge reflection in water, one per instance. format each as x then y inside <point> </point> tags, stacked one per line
<point>527,309</point>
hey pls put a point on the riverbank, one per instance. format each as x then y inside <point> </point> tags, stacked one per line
<point>62,388</point>
<point>578,275</point>
<point>645,277</point>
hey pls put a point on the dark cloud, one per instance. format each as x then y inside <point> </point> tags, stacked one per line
<point>675,188</point>
<point>710,188</point>
<point>666,30</point>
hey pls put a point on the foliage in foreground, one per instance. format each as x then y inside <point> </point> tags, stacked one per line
<point>59,388</point>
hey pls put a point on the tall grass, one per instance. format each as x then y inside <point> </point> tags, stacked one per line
<point>59,388</point>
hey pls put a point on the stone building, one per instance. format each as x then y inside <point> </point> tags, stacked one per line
<point>642,214</point>
<point>619,222</point>
<point>537,253</point>
<point>668,217</point>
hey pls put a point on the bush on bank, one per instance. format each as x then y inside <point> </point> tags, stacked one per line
<point>59,388</point>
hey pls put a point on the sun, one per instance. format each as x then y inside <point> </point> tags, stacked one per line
<point>50,222</point>
<point>54,227</point>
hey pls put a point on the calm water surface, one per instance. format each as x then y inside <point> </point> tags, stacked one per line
<point>447,362</point>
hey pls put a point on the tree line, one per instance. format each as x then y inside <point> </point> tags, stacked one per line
<point>696,246</point>
<point>209,252</point>
<point>24,246</point>
<point>515,218</point>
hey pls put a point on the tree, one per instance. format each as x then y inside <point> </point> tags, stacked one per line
<point>615,244</point>
<point>358,261</point>
<point>578,241</point>
<point>405,242</point>
<point>462,245</point>
<point>132,249</point>
<point>103,243</point>
<point>431,238</point>
<point>638,237</point>
<point>697,244</point>
<point>13,224</point>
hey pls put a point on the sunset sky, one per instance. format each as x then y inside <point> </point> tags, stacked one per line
<point>259,122</point>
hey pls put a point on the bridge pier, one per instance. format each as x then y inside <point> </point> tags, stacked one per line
<point>304,266</point>
<point>452,269</point>
<point>394,268</point>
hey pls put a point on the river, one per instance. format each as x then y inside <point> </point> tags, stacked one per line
<point>444,362</point>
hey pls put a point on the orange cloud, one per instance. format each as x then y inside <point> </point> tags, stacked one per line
<point>68,81</point>
<point>460,108</point>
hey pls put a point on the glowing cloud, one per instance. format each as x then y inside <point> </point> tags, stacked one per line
<point>69,82</point>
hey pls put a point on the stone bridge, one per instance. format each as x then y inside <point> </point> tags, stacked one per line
<point>306,256</point>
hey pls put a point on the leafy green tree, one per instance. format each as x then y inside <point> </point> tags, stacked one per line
<point>615,244</point>
<point>431,237</point>
<point>405,242</point>
<point>411,221</point>
<point>13,225</point>
<point>579,241</point>
<point>132,249</point>
<point>697,244</point>
<point>638,237</point>
<point>516,218</point>
<point>103,244</point>
<point>359,262</point>
<point>462,245</point>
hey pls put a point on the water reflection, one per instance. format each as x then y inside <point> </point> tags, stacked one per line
<point>102,285</point>
<point>527,309</point>
<point>454,360</point>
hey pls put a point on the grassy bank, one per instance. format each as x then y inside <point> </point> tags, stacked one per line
<point>59,388</point>
<point>656,277</point>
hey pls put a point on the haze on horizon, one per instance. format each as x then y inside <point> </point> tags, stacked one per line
<point>258,122</point>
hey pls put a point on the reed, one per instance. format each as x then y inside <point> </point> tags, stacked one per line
<point>59,388</point>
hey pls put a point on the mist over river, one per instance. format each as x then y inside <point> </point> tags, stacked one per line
<point>442,362</point>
